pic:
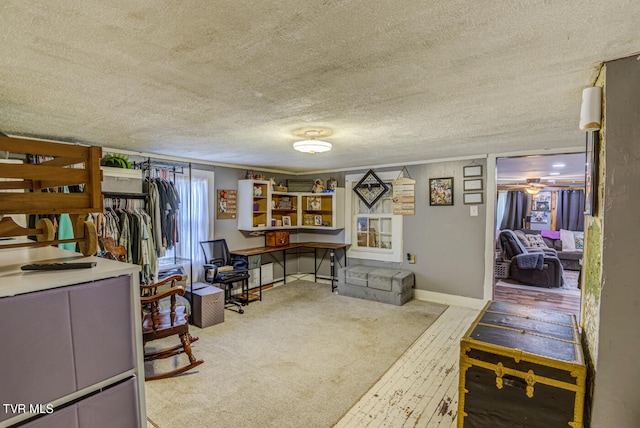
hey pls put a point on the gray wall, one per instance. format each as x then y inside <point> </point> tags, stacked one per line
<point>448,243</point>
<point>616,392</point>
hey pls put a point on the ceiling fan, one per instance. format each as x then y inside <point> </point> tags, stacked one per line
<point>534,185</point>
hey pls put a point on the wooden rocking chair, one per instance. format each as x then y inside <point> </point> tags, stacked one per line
<point>160,323</point>
<point>113,251</point>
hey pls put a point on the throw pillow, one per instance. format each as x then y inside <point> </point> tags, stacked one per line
<point>579,240</point>
<point>536,241</point>
<point>568,240</point>
<point>522,237</point>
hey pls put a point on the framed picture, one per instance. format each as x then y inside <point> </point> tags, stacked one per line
<point>286,220</point>
<point>314,203</point>
<point>539,217</point>
<point>542,206</point>
<point>317,220</point>
<point>472,171</point>
<point>473,184</point>
<point>307,219</point>
<point>441,191</point>
<point>472,198</point>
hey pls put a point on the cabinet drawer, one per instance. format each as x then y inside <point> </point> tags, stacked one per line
<point>103,338</point>
<point>36,350</point>
<point>59,341</point>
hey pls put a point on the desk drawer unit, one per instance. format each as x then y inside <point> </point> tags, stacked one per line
<point>521,367</point>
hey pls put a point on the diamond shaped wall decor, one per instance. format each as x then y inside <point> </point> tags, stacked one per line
<point>370,189</point>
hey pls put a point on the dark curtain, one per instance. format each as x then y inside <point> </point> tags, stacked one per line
<point>515,210</point>
<point>570,210</point>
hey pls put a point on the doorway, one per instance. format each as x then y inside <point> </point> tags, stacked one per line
<point>540,208</point>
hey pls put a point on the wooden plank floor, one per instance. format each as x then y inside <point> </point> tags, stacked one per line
<point>555,299</point>
<point>421,388</point>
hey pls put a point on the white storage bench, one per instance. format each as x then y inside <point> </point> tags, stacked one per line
<point>393,286</point>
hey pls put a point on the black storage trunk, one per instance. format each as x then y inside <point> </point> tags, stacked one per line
<point>521,367</point>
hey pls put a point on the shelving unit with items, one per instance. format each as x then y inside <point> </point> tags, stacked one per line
<point>284,210</point>
<point>322,210</point>
<point>254,204</point>
<point>261,208</point>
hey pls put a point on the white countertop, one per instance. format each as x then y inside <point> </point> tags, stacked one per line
<point>14,281</point>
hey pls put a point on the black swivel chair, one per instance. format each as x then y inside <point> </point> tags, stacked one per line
<point>217,265</point>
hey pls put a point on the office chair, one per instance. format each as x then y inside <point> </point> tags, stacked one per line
<point>223,269</point>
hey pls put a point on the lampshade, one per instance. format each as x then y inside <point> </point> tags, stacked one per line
<point>532,190</point>
<point>312,146</point>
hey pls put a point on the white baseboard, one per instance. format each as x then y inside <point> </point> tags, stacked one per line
<point>449,299</point>
<point>429,296</point>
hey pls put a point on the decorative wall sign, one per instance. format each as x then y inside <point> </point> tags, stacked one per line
<point>370,189</point>
<point>227,204</point>
<point>441,191</point>
<point>404,196</point>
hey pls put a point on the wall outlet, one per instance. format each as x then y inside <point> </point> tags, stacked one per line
<point>473,210</point>
<point>411,258</point>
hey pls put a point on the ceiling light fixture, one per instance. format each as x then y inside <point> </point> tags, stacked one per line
<point>311,145</point>
<point>558,165</point>
<point>534,186</point>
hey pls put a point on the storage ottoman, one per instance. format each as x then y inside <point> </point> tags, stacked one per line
<point>393,286</point>
<point>521,367</point>
<point>208,304</point>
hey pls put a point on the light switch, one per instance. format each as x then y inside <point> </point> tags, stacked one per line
<point>473,210</point>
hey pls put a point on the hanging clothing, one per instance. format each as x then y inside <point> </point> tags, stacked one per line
<point>65,229</point>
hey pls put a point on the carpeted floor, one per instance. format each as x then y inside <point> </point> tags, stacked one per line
<point>300,358</point>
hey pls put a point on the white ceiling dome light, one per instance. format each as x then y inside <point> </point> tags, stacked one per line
<point>312,144</point>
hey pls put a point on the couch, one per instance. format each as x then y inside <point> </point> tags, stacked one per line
<point>535,266</point>
<point>570,258</point>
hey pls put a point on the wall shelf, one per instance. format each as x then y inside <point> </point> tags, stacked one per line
<point>260,208</point>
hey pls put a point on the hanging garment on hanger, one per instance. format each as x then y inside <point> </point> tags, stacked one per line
<point>156,218</point>
<point>65,230</point>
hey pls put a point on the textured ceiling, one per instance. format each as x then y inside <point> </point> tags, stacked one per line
<point>397,81</point>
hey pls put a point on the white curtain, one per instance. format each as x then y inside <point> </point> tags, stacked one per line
<point>500,207</point>
<point>193,219</point>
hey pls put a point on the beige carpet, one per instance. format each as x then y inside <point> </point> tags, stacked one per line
<point>300,358</point>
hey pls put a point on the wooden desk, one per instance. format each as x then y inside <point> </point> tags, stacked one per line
<point>329,247</point>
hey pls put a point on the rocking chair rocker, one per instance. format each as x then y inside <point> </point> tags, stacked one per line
<point>160,323</point>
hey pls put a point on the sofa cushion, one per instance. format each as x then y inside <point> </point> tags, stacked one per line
<point>579,240</point>
<point>536,241</point>
<point>522,237</point>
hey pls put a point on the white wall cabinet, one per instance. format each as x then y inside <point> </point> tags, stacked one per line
<point>260,208</point>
